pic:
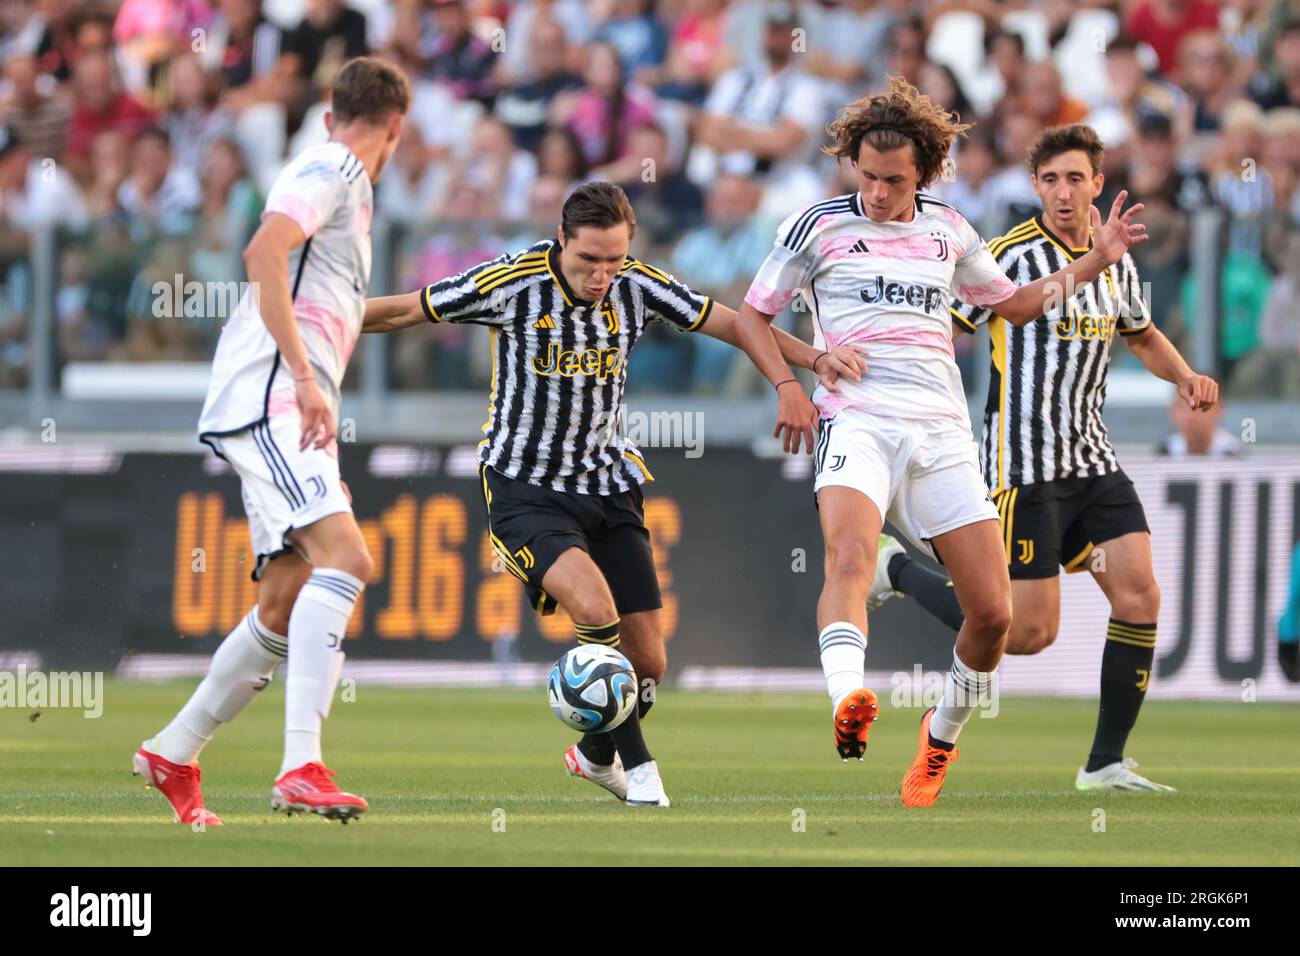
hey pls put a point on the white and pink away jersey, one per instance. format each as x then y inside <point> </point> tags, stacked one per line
<point>884,287</point>
<point>326,191</point>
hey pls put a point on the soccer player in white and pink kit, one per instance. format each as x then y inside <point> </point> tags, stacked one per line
<point>272,413</point>
<point>878,268</point>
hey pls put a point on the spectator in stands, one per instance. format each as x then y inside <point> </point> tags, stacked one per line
<point>696,54</point>
<point>1046,98</point>
<point>500,172</point>
<point>1205,74</point>
<point>606,109</point>
<point>34,192</point>
<point>230,209</point>
<point>634,29</point>
<point>526,106</point>
<point>560,155</point>
<point>1170,194</point>
<point>1131,90</point>
<point>667,203</point>
<point>159,198</point>
<point>50,33</point>
<point>1272,369</point>
<point>904,52</point>
<point>1198,433</point>
<point>147,33</point>
<point>846,48</point>
<point>330,34</point>
<point>1284,88</point>
<point>412,181</point>
<point>1011,193</point>
<point>1162,24</point>
<point>971,189</point>
<point>34,109</point>
<point>101,105</point>
<point>195,120</point>
<point>245,48</point>
<point>515,64</point>
<point>458,58</point>
<point>1282,159</point>
<point>765,122</point>
<point>1003,72</point>
<point>1238,182</point>
<point>110,160</point>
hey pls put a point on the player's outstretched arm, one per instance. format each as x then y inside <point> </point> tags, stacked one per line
<point>1158,354</point>
<point>392,312</point>
<point>847,361</point>
<point>796,416</point>
<point>1109,243</point>
<point>266,258</point>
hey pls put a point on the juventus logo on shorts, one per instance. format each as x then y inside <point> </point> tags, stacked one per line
<point>318,486</point>
<point>837,463</point>
<point>1026,550</point>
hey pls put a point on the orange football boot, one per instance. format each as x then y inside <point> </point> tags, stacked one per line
<point>853,719</point>
<point>924,779</point>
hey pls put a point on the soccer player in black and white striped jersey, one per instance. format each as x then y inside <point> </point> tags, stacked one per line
<point>1062,498</point>
<point>561,484</point>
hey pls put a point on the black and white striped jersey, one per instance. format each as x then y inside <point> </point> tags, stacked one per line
<point>1047,387</point>
<point>559,363</point>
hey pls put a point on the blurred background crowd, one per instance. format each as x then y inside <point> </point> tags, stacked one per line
<point>149,131</point>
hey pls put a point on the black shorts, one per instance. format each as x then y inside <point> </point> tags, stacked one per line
<point>531,526</point>
<point>1057,524</point>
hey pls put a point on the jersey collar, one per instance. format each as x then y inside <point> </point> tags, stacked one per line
<point>1071,252</point>
<point>571,298</point>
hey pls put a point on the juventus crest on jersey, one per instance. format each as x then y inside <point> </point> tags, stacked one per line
<point>560,363</point>
<point>884,286</point>
<point>1043,419</point>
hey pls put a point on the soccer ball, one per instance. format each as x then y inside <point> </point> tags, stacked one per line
<point>592,688</point>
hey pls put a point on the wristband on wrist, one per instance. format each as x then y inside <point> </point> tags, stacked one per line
<point>786,382</point>
<point>818,359</point>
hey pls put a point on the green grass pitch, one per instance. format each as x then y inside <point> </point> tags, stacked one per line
<point>476,777</point>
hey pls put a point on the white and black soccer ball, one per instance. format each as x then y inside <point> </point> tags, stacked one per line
<point>592,688</point>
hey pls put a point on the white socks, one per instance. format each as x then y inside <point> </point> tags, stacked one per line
<point>962,690</point>
<point>317,626</point>
<point>241,667</point>
<point>844,658</point>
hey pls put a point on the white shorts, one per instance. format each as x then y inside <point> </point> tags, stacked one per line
<point>283,488</point>
<point>923,475</point>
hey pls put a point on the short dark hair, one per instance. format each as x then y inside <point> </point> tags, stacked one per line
<point>369,88</point>
<point>598,204</point>
<point>1056,140</point>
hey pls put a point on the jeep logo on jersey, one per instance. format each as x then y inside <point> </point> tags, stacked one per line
<point>601,363</point>
<point>924,297</point>
<point>1085,325</point>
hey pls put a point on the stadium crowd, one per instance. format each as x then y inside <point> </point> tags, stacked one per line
<point>150,131</point>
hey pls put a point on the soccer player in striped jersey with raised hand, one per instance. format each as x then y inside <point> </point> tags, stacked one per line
<point>272,413</point>
<point>561,483</point>
<point>1062,498</point>
<point>877,268</point>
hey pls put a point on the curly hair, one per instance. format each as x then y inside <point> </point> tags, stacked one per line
<point>893,120</point>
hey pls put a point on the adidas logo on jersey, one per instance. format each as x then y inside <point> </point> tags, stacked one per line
<point>859,248</point>
<point>545,322</point>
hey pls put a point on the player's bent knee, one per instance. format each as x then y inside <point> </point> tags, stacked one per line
<point>1138,605</point>
<point>592,610</point>
<point>991,620</point>
<point>1030,638</point>
<point>850,560</point>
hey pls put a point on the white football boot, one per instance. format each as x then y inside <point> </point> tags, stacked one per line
<point>644,788</point>
<point>1118,776</point>
<point>612,778</point>
<point>881,590</point>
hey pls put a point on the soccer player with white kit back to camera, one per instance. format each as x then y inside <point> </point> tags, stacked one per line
<point>272,413</point>
<point>877,268</point>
